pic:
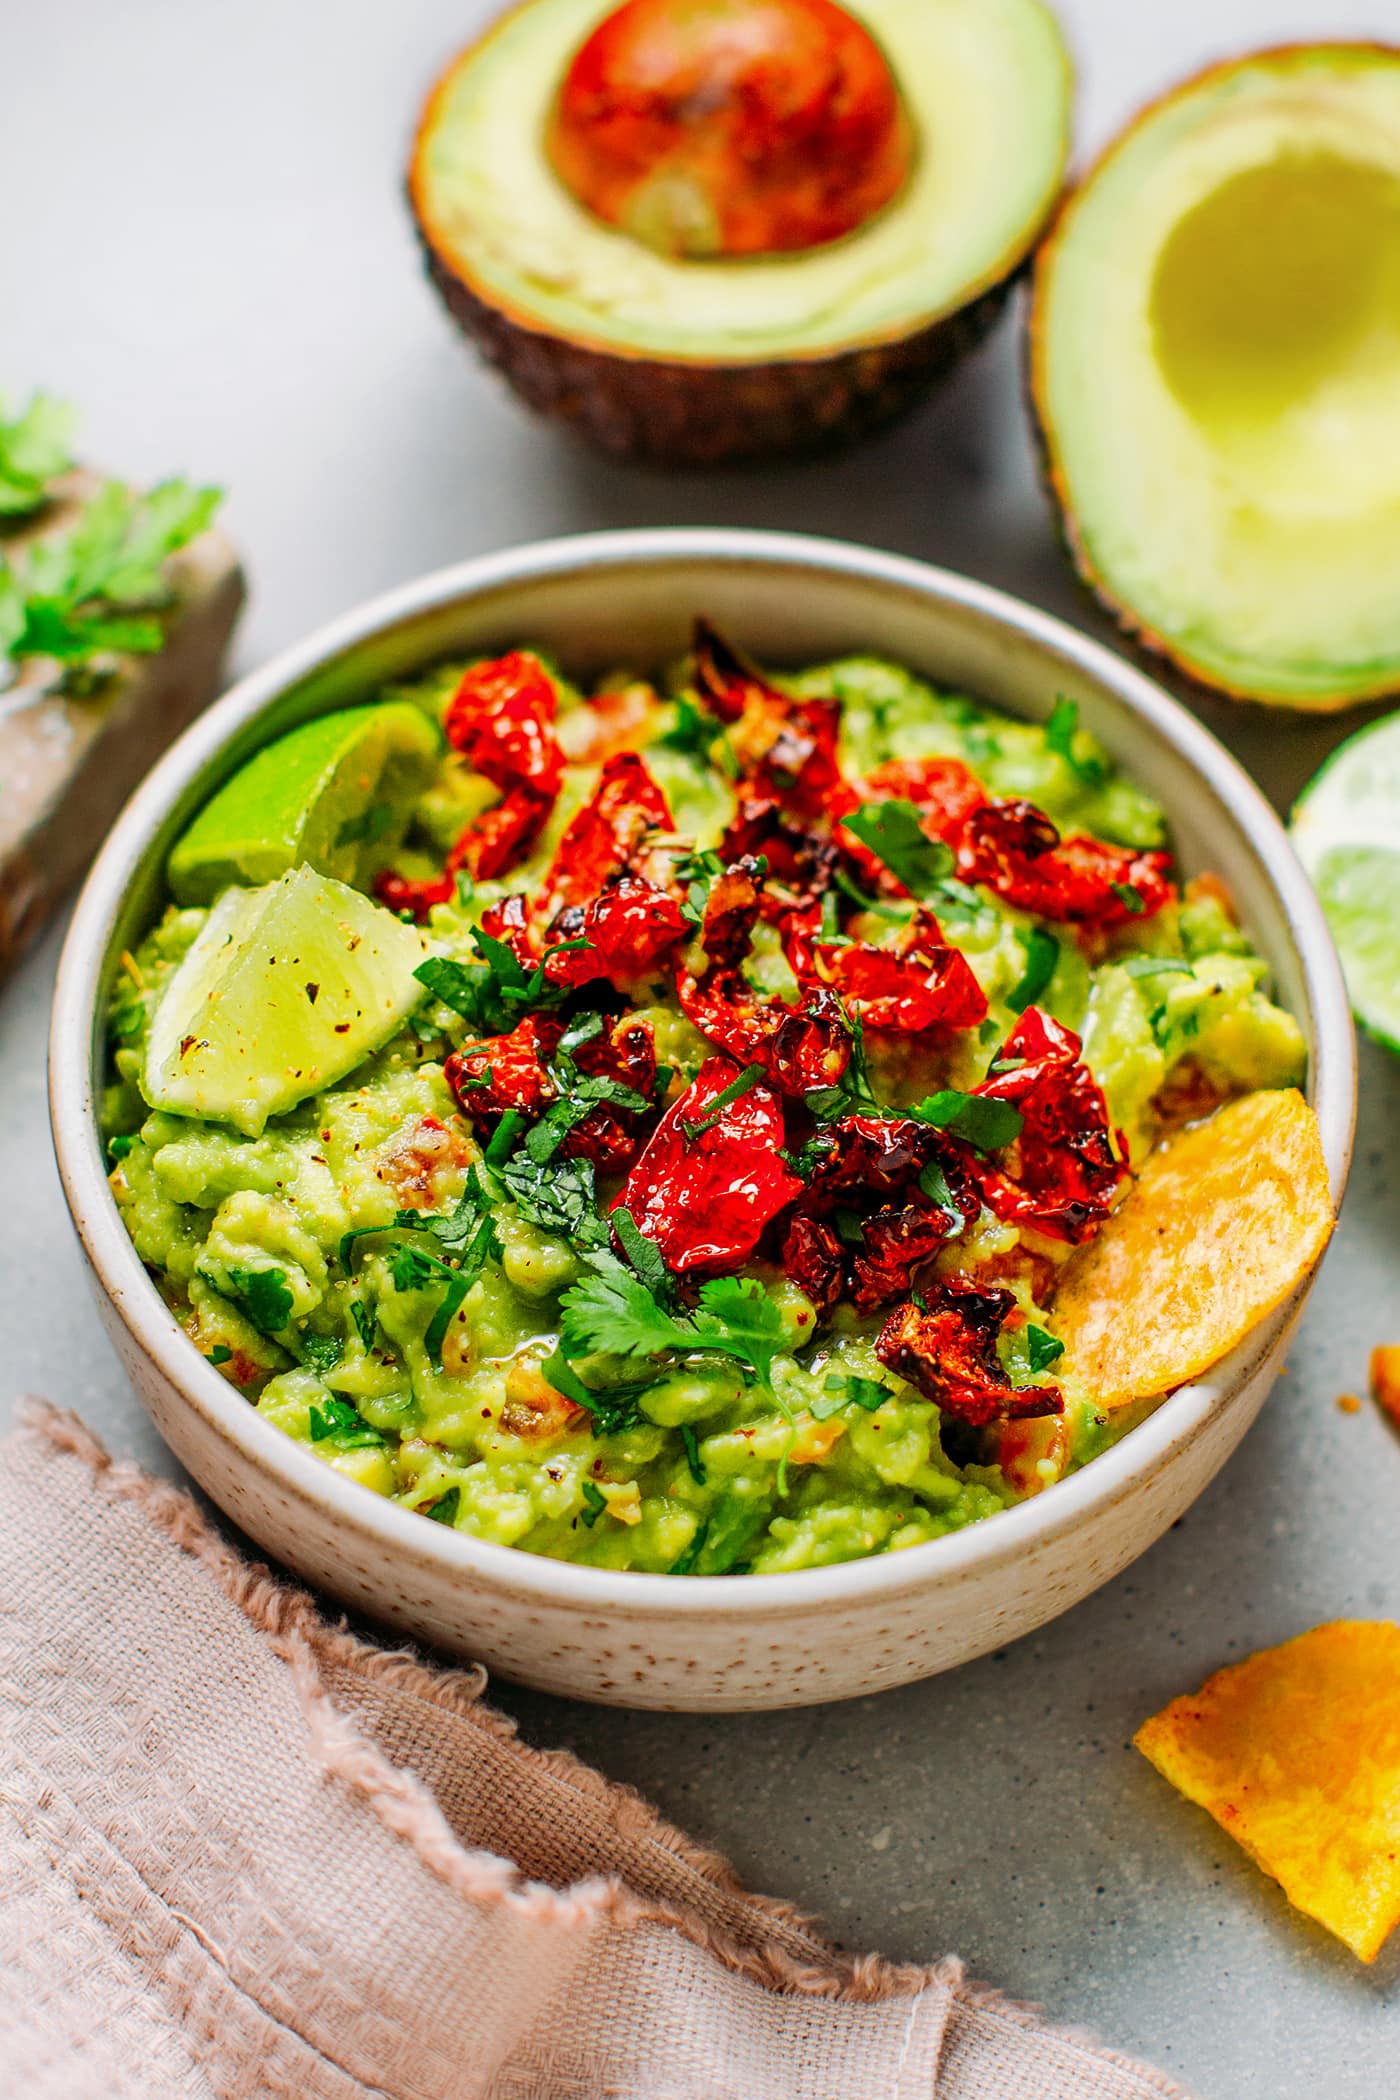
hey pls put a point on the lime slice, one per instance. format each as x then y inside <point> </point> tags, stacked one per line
<point>1346,829</point>
<point>337,794</point>
<point>284,990</point>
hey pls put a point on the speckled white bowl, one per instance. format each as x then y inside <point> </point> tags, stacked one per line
<point>655,1640</point>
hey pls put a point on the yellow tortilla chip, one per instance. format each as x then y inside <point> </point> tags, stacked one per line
<point>1217,1229</point>
<point>1296,1753</point>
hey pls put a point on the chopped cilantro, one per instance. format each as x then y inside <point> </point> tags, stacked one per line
<point>334,1417</point>
<point>36,446</point>
<point>558,1195</point>
<point>849,1229</point>
<point>984,1124</point>
<point>577,1097</point>
<point>220,1353</point>
<point>322,1351</point>
<point>366,1322</point>
<point>495,992</point>
<point>118,1147</point>
<point>933,1182</point>
<point>850,1390</point>
<point>503,1137</point>
<point>1062,732</point>
<point>265,1295</point>
<point>693,731</point>
<point>1130,897</point>
<point>1042,1349</point>
<point>692,1553</point>
<point>747,1079</point>
<point>594,1503</point>
<point>1042,954</point>
<point>894,830</point>
<point>699,872</point>
<point>444,1510</point>
<point>100,586</point>
<point>692,1454</point>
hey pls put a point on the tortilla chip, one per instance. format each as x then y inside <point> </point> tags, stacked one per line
<point>1222,1223</point>
<point>1296,1753</point>
<point>1385,1379</point>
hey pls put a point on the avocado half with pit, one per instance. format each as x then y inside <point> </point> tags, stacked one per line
<point>1215,365</point>
<point>703,231</point>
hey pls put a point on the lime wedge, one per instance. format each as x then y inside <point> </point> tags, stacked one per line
<point>336,794</point>
<point>1346,830</point>
<point>284,990</point>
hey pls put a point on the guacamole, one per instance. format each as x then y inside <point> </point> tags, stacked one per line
<point>646,1127</point>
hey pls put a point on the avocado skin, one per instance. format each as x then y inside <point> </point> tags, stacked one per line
<point>667,414</point>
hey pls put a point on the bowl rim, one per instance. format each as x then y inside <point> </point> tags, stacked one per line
<point>398,1532</point>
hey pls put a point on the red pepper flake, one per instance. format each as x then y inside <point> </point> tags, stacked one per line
<point>948,1350</point>
<point>706,1204</point>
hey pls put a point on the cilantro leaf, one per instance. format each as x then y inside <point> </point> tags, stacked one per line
<point>594,1503</point>
<point>444,1510</point>
<point>933,1183</point>
<point>266,1297</point>
<point>644,1255</point>
<point>334,1417</point>
<point>1061,731</point>
<point>98,586</point>
<point>685,1564</point>
<point>1042,1349</point>
<point>738,1317</point>
<point>35,448</point>
<point>610,1311</point>
<point>1130,897</point>
<point>894,831</point>
<point>692,1454</point>
<point>220,1353</point>
<point>985,1124</point>
<point>322,1351</point>
<point>746,1080</point>
<point>613,1409</point>
<point>1042,954</point>
<point>366,1322</point>
<point>843,1391</point>
<point>693,731</point>
<point>558,1195</point>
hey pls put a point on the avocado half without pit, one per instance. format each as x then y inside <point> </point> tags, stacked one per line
<point>704,231</point>
<point>1215,364</point>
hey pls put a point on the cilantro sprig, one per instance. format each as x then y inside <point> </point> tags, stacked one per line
<point>100,586</point>
<point>494,993</point>
<point>1064,736</point>
<point>612,1311</point>
<point>36,446</point>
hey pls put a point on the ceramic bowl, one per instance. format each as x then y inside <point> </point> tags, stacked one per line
<point>654,1640</point>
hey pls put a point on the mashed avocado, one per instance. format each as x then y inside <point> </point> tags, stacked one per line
<point>410,1270</point>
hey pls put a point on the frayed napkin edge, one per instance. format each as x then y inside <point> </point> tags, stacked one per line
<point>289,1619</point>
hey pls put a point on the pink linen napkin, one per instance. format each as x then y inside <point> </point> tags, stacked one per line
<point>243,1853</point>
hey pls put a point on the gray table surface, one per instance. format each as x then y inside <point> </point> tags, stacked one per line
<point>203,242</point>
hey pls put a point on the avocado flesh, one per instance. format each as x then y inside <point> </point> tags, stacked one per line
<point>1216,369</point>
<point>525,266</point>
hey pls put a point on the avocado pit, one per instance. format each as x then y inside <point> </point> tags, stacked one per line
<point>731,127</point>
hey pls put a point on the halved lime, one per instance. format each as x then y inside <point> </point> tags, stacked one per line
<point>284,990</point>
<point>336,794</point>
<point>1346,829</point>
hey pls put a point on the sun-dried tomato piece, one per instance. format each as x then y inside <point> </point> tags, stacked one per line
<point>1062,1172</point>
<point>799,859</point>
<point>810,1048</point>
<point>895,1244</point>
<point>494,841</point>
<point>501,718</point>
<point>922,984</point>
<point>949,1351</point>
<point>786,747</point>
<point>402,893</point>
<point>505,1071</point>
<point>1016,851</point>
<point>816,1261</point>
<point>630,929</point>
<point>706,1195</point>
<point>604,835</point>
<point>619,719</point>
<point>879,1155</point>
